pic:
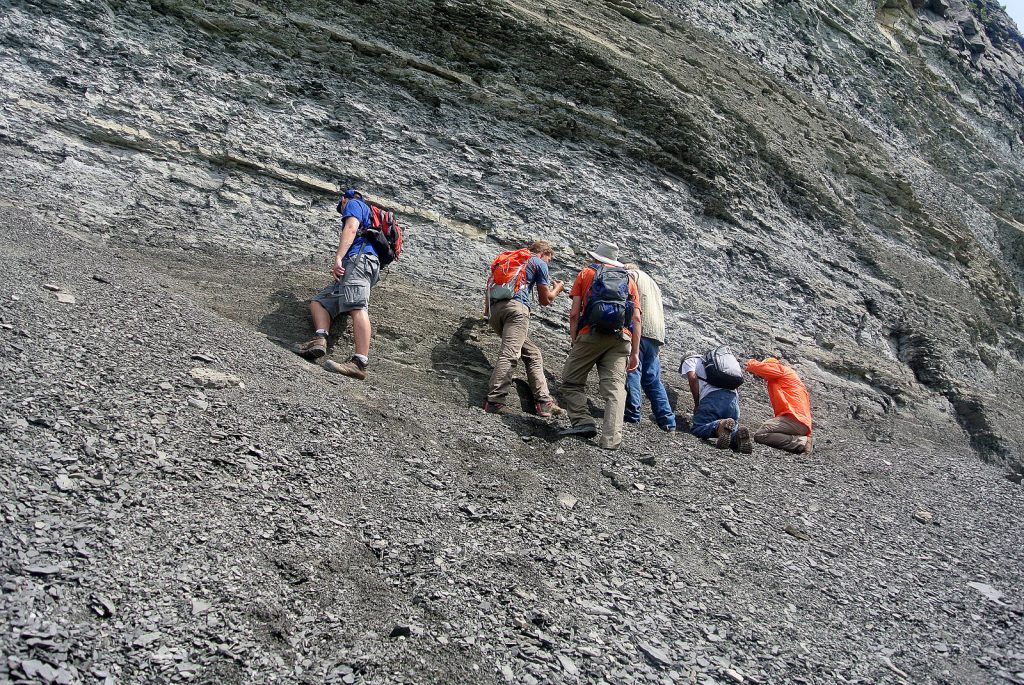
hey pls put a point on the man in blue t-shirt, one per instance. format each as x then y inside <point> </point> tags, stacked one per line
<point>355,270</point>
<point>510,318</point>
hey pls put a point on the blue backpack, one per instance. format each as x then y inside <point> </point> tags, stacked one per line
<point>609,307</point>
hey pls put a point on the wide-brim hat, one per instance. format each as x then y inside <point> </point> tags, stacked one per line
<point>606,253</point>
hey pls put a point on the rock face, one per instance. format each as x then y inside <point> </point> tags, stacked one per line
<point>840,183</point>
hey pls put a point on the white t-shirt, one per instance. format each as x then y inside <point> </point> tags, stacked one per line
<point>696,364</point>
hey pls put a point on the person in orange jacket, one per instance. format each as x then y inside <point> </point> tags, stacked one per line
<point>790,430</point>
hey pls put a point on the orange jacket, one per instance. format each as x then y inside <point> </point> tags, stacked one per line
<point>785,389</point>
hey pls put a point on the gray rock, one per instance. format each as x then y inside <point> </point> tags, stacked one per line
<point>568,665</point>
<point>987,591</point>
<point>37,669</point>
<point>655,655</point>
<point>566,501</point>
<point>797,532</point>
<point>218,380</point>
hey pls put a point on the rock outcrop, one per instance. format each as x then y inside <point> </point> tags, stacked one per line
<point>794,172</point>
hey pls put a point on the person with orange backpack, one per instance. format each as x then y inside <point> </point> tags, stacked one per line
<point>507,302</point>
<point>370,238</point>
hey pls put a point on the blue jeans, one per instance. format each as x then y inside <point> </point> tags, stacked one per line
<point>648,377</point>
<point>718,405</point>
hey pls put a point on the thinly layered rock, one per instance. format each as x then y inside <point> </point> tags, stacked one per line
<point>841,183</point>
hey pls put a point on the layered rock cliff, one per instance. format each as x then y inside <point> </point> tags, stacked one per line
<point>842,183</point>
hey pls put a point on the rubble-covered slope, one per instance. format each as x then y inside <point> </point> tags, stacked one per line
<point>186,500</point>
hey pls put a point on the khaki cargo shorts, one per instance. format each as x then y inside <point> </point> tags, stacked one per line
<point>353,290</point>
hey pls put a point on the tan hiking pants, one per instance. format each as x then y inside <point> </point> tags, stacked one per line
<point>511,320</point>
<point>784,433</point>
<point>610,353</point>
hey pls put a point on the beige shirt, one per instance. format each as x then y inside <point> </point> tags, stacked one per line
<point>653,313</point>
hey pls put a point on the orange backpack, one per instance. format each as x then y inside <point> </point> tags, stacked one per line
<point>508,271</point>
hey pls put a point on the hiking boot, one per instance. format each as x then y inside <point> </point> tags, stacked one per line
<point>723,434</point>
<point>584,430</point>
<point>352,368</point>
<point>744,445</point>
<point>809,445</point>
<point>311,349</point>
<point>548,409</point>
<point>494,407</point>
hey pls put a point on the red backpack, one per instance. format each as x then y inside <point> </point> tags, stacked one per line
<point>508,273</point>
<point>384,234</point>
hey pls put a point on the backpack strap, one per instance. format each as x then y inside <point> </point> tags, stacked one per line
<point>360,232</point>
<point>586,296</point>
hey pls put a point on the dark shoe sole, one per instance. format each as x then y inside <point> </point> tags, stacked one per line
<point>310,355</point>
<point>724,433</point>
<point>744,445</point>
<point>578,432</point>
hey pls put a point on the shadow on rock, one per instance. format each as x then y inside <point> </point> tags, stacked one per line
<point>460,356</point>
<point>530,427</point>
<point>288,321</point>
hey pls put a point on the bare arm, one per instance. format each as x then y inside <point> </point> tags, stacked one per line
<point>691,378</point>
<point>634,343</point>
<point>348,236</point>
<point>546,295</point>
<point>574,317</point>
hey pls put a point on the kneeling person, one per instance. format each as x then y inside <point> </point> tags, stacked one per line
<point>790,430</point>
<point>356,269</point>
<point>716,410</point>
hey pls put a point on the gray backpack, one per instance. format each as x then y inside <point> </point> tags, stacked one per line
<point>722,369</point>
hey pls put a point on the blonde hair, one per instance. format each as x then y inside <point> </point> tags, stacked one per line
<point>542,248</point>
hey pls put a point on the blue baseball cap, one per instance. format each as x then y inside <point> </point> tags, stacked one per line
<point>349,194</point>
